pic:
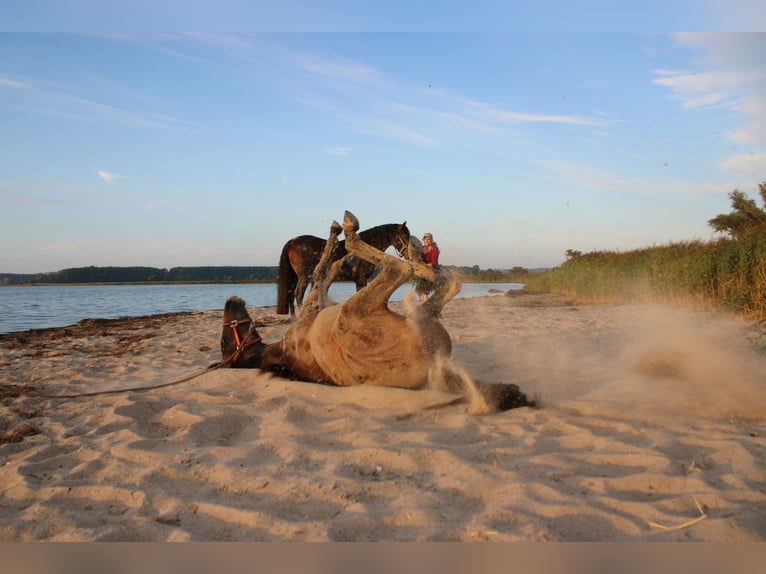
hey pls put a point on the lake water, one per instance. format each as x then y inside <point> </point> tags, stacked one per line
<point>36,307</point>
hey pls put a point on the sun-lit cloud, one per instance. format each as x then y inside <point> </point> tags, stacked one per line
<point>107,176</point>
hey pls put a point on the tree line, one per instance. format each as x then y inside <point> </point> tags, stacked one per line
<point>212,274</point>
<point>93,274</point>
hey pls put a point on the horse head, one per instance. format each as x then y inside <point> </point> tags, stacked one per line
<point>401,239</point>
<point>241,345</point>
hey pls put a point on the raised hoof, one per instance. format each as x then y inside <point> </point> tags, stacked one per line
<point>504,396</point>
<point>350,223</point>
<point>414,249</point>
<point>335,229</point>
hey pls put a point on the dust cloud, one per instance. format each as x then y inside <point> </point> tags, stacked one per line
<point>636,361</point>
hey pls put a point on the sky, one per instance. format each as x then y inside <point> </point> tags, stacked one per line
<point>170,149</point>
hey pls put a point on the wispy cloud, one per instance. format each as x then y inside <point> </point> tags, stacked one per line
<point>6,83</point>
<point>362,97</point>
<point>749,165</point>
<point>590,177</point>
<point>347,72</point>
<point>369,101</point>
<point>729,73</point>
<point>338,151</point>
<point>79,108</point>
<point>76,102</point>
<point>701,89</point>
<point>503,116</point>
<point>107,176</point>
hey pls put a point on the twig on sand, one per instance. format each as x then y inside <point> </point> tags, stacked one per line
<point>686,524</point>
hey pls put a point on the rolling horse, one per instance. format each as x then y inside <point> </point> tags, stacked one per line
<point>362,341</point>
<point>301,254</point>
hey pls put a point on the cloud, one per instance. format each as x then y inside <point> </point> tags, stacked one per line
<point>492,114</point>
<point>107,176</point>
<point>370,101</point>
<point>729,73</point>
<point>748,165</point>
<point>589,177</point>
<point>346,72</point>
<point>338,151</point>
<point>6,83</point>
<point>69,104</point>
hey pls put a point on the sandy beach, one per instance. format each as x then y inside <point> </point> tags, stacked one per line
<point>651,428</point>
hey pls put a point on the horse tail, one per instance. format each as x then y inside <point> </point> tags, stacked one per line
<point>287,280</point>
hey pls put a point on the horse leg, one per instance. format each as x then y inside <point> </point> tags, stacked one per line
<point>393,272</point>
<point>323,274</point>
<point>492,396</point>
<point>446,286</point>
<point>300,289</point>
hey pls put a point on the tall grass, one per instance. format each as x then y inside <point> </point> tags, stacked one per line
<point>726,272</point>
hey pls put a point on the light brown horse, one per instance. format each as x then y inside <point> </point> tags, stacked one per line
<point>362,341</point>
<point>301,254</point>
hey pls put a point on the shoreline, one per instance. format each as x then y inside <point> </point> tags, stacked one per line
<point>650,416</point>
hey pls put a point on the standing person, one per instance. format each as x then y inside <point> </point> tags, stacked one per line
<point>430,257</point>
<point>430,251</point>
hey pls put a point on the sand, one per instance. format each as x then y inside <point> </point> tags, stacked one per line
<point>651,428</point>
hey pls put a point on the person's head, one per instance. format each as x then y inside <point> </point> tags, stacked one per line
<point>428,239</point>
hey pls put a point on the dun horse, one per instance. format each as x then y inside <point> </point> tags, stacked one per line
<point>301,254</point>
<point>362,341</point>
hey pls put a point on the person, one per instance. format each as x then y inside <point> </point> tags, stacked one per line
<point>430,257</point>
<point>430,251</point>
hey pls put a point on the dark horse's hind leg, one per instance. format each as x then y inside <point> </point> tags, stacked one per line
<point>300,290</point>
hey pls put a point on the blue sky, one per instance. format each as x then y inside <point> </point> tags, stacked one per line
<point>171,149</point>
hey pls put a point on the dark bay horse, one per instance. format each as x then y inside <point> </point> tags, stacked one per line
<point>301,254</point>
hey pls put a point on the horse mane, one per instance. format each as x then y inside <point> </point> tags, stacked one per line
<point>378,228</point>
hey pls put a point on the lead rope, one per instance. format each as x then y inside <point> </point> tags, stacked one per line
<point>231,359</point>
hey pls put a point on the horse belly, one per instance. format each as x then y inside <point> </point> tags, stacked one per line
<point>375,351</point>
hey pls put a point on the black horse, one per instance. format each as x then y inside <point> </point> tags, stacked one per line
<point>301,254</point>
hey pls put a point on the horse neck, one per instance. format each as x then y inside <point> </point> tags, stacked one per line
<point>381,236</point>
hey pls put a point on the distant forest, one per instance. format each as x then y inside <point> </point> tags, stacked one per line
<point>211,275</point>
<point>145,275</point>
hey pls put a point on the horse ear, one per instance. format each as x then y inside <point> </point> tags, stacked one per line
<point>403,224</point>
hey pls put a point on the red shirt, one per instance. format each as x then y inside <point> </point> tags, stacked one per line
<point>431,255</point>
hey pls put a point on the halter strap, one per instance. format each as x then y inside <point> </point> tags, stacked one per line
<point>243,344</point>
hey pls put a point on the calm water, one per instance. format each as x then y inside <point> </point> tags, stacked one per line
<point>35,307</point>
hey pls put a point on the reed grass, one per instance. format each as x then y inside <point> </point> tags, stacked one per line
<point>727,272</point>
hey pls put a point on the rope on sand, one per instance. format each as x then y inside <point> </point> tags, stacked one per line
<point>7,390</point>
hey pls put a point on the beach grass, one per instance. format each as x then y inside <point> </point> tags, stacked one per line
<point>727,272</point>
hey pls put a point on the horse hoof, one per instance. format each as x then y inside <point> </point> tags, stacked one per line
<point>335,229</point>
<point>350,223</point>
<point>504,396</point>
